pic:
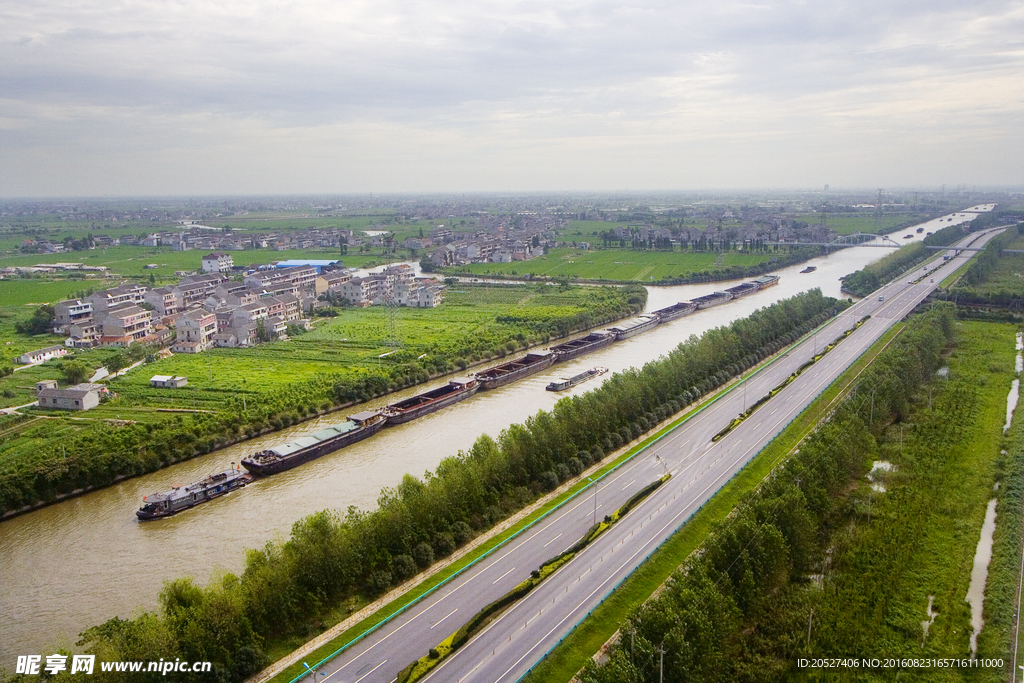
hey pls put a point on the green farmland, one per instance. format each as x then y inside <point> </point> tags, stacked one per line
<point>619,264</point>
<point>849,224</point>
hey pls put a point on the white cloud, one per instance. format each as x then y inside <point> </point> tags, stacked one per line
<point>197,97</point>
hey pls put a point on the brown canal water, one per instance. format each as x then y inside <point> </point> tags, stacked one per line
<point>81,562</point>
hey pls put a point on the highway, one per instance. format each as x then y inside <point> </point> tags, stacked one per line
<point>520,637</point>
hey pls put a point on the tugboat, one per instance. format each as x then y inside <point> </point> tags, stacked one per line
<point>767,281</point>
<point>181,498</point>
<point>576,379</point>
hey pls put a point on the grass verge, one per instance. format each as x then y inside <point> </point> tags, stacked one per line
<point>562,663</point>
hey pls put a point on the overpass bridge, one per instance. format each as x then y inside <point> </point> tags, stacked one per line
<point>857,239</point>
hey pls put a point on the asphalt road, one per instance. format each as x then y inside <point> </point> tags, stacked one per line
<point>519,638</point>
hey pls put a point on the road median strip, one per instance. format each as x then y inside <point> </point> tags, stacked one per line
<point>449,645</point>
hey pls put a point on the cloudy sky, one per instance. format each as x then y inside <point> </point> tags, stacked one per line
<point>125,97</point>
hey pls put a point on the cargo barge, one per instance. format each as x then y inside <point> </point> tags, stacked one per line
<point>578,347</point>
<point>180,498</point>
<point>310,447</point>
<point>576,379</point>
<point>503,374</point>
<point>709,300</point>
<point>429,401</point>
<point>634,327</point>
<point>745,289</point>
<point>675,311</point>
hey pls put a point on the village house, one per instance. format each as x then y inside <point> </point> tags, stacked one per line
<point>78,397</point>
<point>67,313</point>
<point>167,381</point>
<point>164,300</point>
<point>217,262</point>
<point>124,325</point>
<point>195,332</point>
<point>42,355</point>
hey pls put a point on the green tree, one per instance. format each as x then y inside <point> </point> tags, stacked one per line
<point>75,371</point>
<point>116,363</point>
<point>39,323</point>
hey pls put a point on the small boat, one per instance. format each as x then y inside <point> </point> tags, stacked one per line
<point>809,269</point>
<point>312,446</point>
<point>907,237</point>
<point>158,505</point>
<point>429,401</point>
<point>576,379</point>
<point>920,229</point>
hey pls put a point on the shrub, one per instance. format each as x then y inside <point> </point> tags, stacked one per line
<point>423,554</point>
<point>461,532</point>
<point>403,566</point>
<point>378,581</point>
<point>444,544</point>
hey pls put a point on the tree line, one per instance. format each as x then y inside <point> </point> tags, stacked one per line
<point>332,557</point>
<point>874,275</point>
<point>737,610</point>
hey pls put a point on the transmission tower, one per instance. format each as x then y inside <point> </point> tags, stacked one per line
<point>878,213</point>
<point>392,312</point>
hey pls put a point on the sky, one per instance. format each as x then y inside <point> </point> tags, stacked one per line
<point>170,97</point>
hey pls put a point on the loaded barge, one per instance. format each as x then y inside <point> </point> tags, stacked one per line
<point>429,401</point>
<point>766,281</point>
<point>311,447</point>
<point>578,347</point>
<point>180,498</point>
<point>503,374</point>
<point>675,311</point>
<point>576,379</point>
<point>709,300</point>
<point>634,326</point>
<point>743,290</point>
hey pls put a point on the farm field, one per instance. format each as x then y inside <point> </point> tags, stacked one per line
<point>280,381</point>
<point>618,264</point>
<point>131,261</point>
<point>1007,275</point>
<point>847,225</point>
